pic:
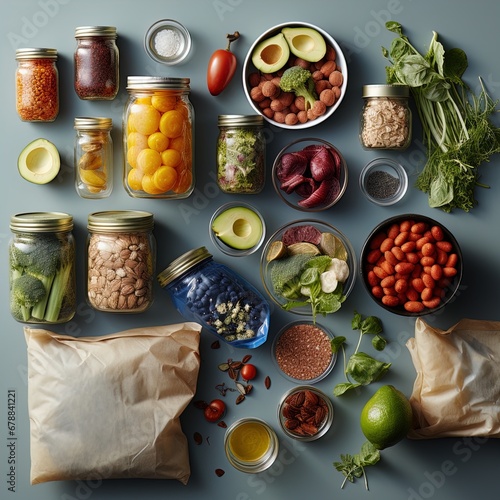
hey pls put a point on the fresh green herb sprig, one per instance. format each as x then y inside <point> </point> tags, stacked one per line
<point>353,466</point>
<point>458,133</point>
<point>361,367</point>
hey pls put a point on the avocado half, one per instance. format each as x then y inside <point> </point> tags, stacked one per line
<point>271,54</point>
<point>306,43</point>
<point>39,162</point>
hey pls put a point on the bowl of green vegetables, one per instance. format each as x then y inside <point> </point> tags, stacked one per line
<point>308,267</point>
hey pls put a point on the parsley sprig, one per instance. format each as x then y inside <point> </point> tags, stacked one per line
<point>353,466</point>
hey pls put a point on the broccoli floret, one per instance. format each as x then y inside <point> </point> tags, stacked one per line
<point>299,81</point>
<point>284,271</point>
<point>27,292</point>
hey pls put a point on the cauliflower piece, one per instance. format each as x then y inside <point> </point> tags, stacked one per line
<point>340,268</point>
<point>329,281</point>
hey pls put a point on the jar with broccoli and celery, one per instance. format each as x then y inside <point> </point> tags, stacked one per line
<point>42,276</point>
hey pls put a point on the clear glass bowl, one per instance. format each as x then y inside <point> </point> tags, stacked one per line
<point>302,353</point>
<point>275,244</point>
<point>168,42</point>
<point>307,398</point>
<point>249,68</point>
<point>241,228</point>
<point>383,181</point>
<point>337,168</point>
<point>448,289</point>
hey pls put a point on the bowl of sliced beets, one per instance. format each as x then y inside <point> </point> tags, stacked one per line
<point>306,96</point>
<point>308,267</point>
<point>310,175</point>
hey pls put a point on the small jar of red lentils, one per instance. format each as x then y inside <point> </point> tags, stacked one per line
<point>37,84</point>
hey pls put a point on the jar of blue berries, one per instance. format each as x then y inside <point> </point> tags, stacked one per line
<point>214,295</point>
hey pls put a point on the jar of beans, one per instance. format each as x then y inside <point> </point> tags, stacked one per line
<point>93,157</point>
<point>96,63</point>
<point>121,259</point>
<point>37,84</point>
<point>214,295</point>
<point>386,120</point>
<point>42,274</point>
<point>158,138</point>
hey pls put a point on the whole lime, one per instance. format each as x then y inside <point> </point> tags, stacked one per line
<point>386,417</point>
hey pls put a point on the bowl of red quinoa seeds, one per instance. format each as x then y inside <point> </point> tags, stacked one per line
<point>302,352</point>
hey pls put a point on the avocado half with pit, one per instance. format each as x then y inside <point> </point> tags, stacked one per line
<point>39,162</point>
<point>238,227</point>
<point>306,43</point>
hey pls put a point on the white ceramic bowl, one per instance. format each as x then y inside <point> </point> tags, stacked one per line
<point>249,68</point>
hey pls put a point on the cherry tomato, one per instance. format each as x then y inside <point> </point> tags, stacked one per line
<point>221,67</point>
<point>215,410</point>
<point>248,371</point>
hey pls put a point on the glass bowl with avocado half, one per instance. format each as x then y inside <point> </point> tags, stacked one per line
<point>308,267</point>
<point>237,229</point>
<point>295,75</point>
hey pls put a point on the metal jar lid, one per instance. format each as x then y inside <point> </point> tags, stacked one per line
<point>86,31</point>
<point>386,90</point>
<point>157,83</point>
<point>182,264</point>
<point>35,53</point>
<point>93,123</point>
<point>240,120</point>
<point>117,221</point>
<point>41,222</point>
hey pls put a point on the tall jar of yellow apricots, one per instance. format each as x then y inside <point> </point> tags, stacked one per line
<point>158,144</point>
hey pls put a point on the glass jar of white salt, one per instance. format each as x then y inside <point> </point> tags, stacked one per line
<point>168,42</point>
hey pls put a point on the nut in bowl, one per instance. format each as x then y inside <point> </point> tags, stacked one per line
<point>310,175</point>
<point>308,267</point>
<point>305,413</point>
<point>295,75</point>
<point>411,265</point>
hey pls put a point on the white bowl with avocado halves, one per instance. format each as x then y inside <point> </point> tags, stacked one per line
<point>237,229</point>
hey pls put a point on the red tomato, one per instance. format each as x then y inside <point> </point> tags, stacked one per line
<point>248,371</point>
<point>221,67</point>
<point>215,410</point>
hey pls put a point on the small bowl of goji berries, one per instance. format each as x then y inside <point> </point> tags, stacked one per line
<point>305,413</point>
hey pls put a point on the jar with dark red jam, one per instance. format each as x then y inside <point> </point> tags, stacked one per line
<point>96,63</point>
<point>218,298</point>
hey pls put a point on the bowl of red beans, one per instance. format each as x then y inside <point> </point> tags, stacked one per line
<point>411,265</point>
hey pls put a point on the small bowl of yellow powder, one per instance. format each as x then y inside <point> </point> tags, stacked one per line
<point>168,42</point>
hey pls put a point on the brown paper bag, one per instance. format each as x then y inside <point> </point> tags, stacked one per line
<point>109,407</point>
<point>457,387</point>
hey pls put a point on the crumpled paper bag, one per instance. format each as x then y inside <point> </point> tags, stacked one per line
<point>457,387</point>
<point>109,406</point>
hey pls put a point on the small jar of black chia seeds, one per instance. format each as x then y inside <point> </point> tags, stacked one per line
<point>222,301</point>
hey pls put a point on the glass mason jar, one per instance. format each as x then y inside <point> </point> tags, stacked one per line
<point>37,85</point>
<point>93,157</point>
<point>158,126</point>
<point>241,154</point>
<point>121,260</point>
<point>42,275</point>
<point>96,62</point>
<point>214,295</point>
<point>386,120</point>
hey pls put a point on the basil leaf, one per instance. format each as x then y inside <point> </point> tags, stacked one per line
<point>371,324</point>
<point>368,455</point>
<point>336,343</point>
<point>342,388</point>
<point>356,321</point>
<point>455,64</point>
<point>365,369</point>
<point>379,343</point>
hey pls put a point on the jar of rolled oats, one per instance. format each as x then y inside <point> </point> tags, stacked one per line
<point>37,84</point>
<point>121,259</point>
<point>386,117</point>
